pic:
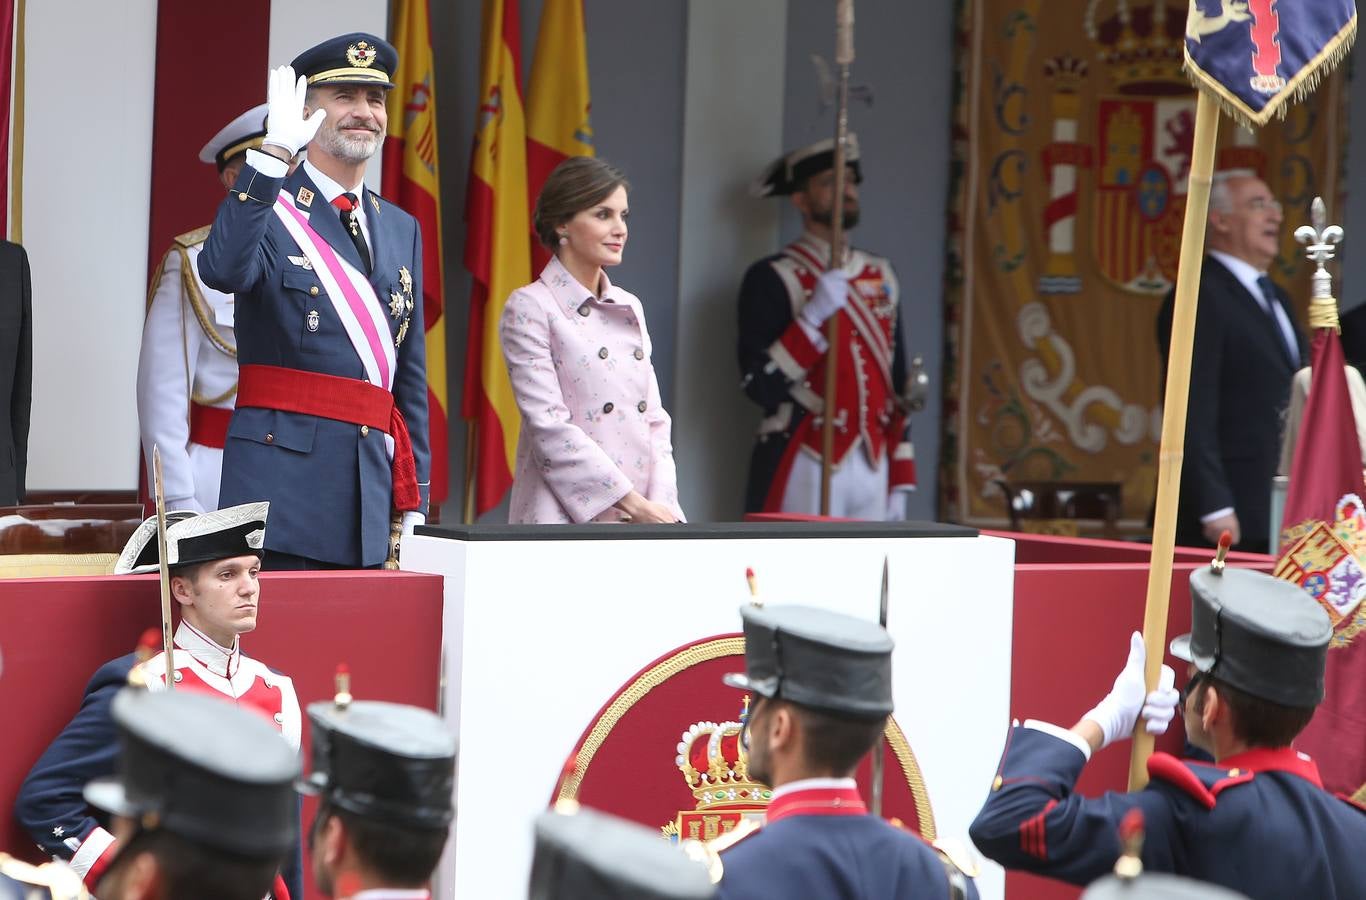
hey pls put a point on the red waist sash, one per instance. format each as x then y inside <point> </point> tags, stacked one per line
<point>340,399</point>
<point>209,425</point>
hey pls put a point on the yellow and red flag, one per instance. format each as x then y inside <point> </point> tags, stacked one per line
<point>557,104</point>
<point>412,180</point>
<point>496,251</point>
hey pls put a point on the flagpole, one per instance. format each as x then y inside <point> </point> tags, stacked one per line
<point>844,57</point>
<point>1172,449</point>
<point>471,425</point>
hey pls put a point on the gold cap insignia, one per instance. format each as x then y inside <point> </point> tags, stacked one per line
<point>360,54</point>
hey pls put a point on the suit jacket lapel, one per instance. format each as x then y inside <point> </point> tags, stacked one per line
<point>1254,313</point>
<point>377,246</point>
<point>325,220</point>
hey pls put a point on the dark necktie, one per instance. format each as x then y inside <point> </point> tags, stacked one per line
<point>1268,289</point>
<point>346,205</point>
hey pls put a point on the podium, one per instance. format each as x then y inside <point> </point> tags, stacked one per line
<point>543,626</point>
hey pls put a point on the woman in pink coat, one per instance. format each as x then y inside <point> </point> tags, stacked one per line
<point>594,445</point>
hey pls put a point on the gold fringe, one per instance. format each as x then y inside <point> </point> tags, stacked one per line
<point>1323,313</point>
<point>1295,90</point>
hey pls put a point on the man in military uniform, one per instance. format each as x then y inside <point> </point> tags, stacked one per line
<point>822,692</point>
<point>187,370</point>
<point>1257,820</point>
<point>385,773</point>
<point>214,559</point>
<point>785,301</point>
<point>331,417</point>
<point>582,854</point>
<point>203,800</point>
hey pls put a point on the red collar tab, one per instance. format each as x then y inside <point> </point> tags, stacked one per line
<point>1284,759</point>
<point>817,802</point>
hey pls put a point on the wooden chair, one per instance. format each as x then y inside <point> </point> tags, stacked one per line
<point>64,539</point>
<point>1063,507</point>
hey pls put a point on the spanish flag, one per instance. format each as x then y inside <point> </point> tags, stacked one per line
<point>496,251</point>
<point>558,101</point>
<point>412,180</point>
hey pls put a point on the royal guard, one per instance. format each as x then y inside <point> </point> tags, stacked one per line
<point>201,801</point>
<point>213,560</point>
<point>821,684</point>
<point>385,777</point>
<point>582,854</point>
<point>1256,819</point>
<point>785,302</point>
<point>187,369</point>
<point>331,416</point>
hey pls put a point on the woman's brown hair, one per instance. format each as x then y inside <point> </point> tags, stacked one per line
<point>578,183</point>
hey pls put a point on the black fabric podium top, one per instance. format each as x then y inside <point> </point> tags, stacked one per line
<point>710,531</point>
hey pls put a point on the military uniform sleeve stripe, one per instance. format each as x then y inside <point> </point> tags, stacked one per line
<point>1033,833</point>
<point>93,857</point>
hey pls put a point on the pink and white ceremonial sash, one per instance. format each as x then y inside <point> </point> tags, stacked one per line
<point>352,296</point>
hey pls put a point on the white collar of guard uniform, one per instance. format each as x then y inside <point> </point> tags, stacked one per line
<point>815,784</point>
<point>819,248</point>
<point>329,188</point>
<point>568,291</point>
<point>207,652</point>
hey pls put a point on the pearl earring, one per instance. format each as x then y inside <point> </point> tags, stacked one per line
<point>563,240</point>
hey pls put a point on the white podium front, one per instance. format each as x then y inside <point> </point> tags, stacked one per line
<point>543,625</point>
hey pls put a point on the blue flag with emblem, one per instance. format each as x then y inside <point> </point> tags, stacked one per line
<point>1259,56</point>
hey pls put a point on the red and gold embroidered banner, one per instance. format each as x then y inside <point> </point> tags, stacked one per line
<point>1073,142</point>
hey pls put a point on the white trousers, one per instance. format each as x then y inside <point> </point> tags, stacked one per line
<point>858,489</point>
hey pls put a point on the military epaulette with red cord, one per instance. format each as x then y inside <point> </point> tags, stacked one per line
<point>1202,781</point>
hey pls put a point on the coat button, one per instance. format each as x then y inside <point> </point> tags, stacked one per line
<point>602,354</point>
<point>279,718</point>
<point>270,438</point>
<point>585,309</point>
<point>996,784</point>
<point>639,354</point>
<point>364,430</point>
<point>178,677</point>
<point>641,406</point>
<point>242,196</point>
<point>607,407</point>
<point>313,291</point>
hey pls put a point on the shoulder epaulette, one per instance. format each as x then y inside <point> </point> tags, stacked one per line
<point>193,238</point>
<point>1203,781</point>
<point>743,829</point>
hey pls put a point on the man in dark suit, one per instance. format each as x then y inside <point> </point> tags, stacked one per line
<point>331,417</point>
<point>16,370</point>
<point>1247,349</point>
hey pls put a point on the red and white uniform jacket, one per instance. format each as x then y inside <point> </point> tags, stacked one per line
<point>783,367</point>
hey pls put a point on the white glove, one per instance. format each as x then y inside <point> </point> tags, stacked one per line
<point>829,297</point>
<point>897,503</point>
<point>1120,709</point>
<point>286,126</point>
<point>411,519</point>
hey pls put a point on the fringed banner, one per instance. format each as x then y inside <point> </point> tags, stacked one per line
<point>1258,57</point>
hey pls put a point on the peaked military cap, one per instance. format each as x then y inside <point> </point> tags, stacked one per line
<point>204,769</point>
<point>816,658</point>
<point>1258,633</point>
<point>356,58</point>
<point>1157,886</point>
<point>789,172</point>
<point>588,855</point>
<point>383,761</point>
<point>221,534</point>
<point>243,133</point>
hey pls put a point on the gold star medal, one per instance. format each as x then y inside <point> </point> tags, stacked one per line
<point>396,304</point>
<point>405,280</point>
<point>402,333</point>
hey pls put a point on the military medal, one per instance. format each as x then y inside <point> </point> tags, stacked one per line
<point>354,224</point>
<point>405,280</point>
<point>312,320</point>
<point>302,262</point>
<point>402,333</point>
<point>396,304</point>
<point>305,198</point>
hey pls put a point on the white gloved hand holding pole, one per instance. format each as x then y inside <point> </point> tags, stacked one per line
<point>828,297</point>
<point>286,126</point>
<point>1117,714</point>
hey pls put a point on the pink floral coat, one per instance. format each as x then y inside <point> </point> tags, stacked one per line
<point>593,426</point>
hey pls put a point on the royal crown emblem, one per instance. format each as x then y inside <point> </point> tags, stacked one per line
<point>714,763</point>
<point>361,54</point>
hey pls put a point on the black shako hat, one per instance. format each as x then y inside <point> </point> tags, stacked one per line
<point>1260,634</point>
<point>204,769</point>
<point>817,658</point>
<point>356,58</point>
<point>383,761</point>
<point>588,855</point>
<point>1157,886</point>
<point>789,172</point>
<point>221,534</point>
